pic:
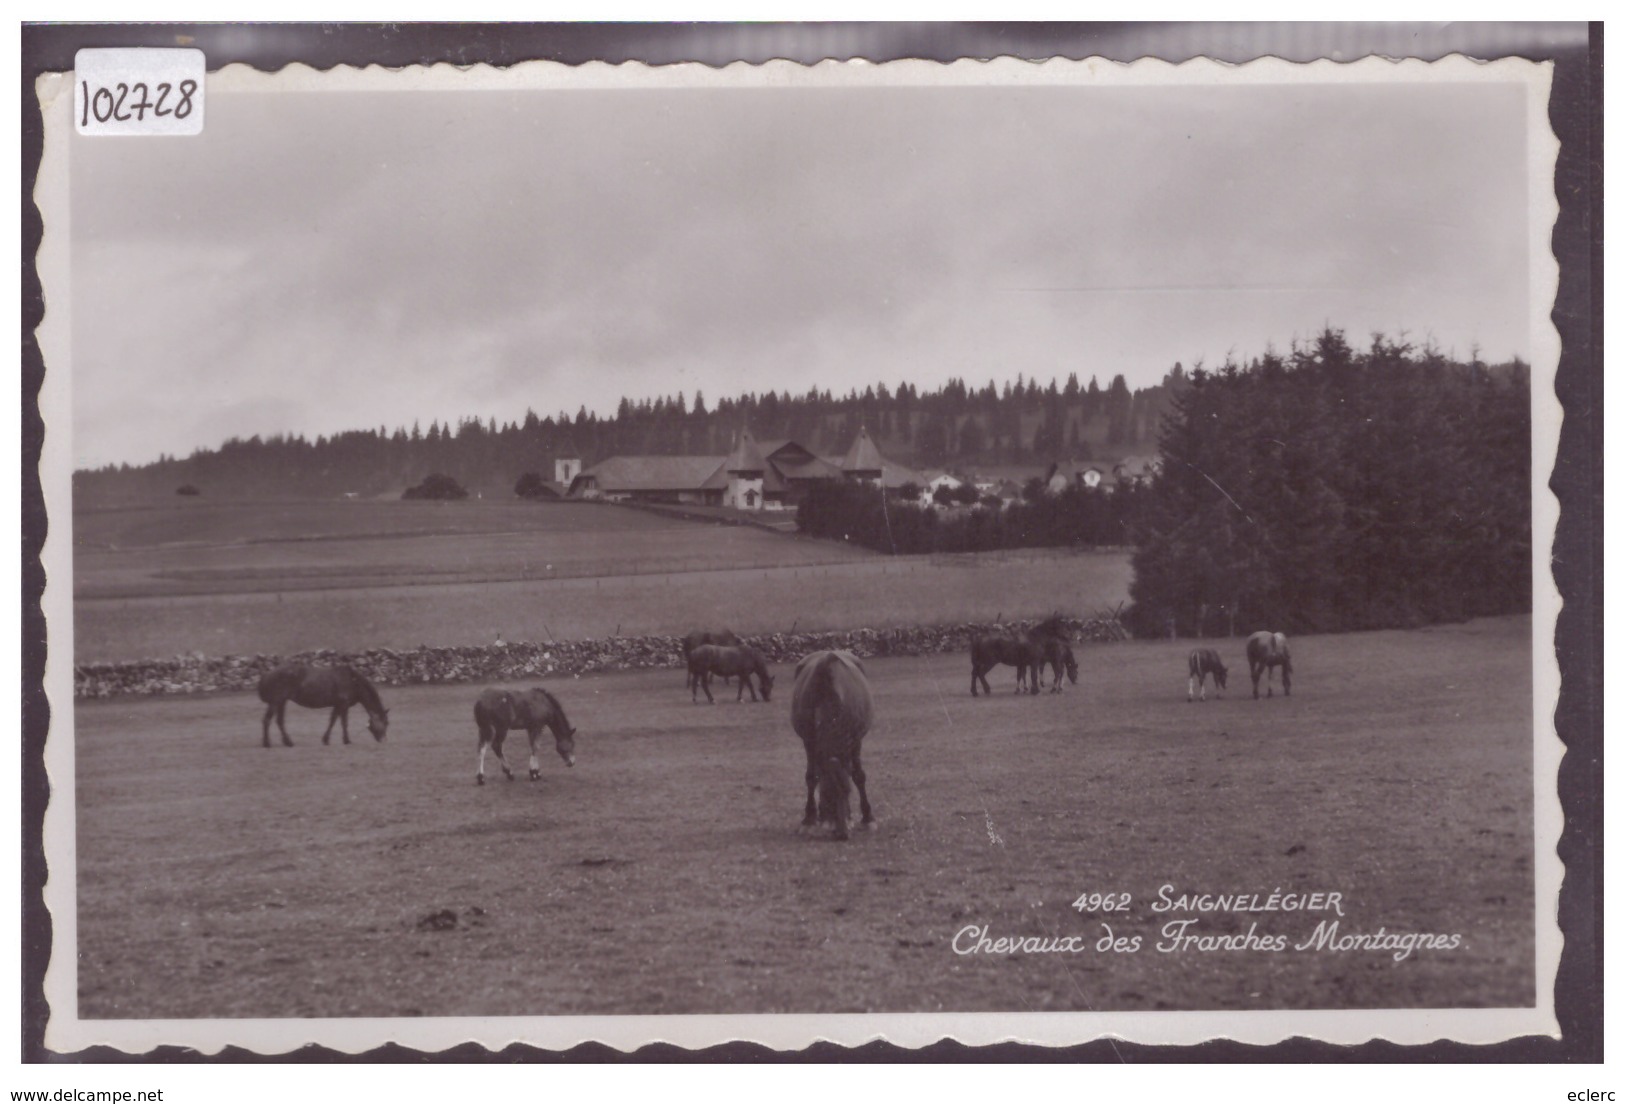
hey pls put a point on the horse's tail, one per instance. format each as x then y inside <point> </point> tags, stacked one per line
<point>835,790</point>
<point>272,681</point>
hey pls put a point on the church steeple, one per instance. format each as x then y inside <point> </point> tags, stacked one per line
<point>746,469</point>
<point>746,458</point>
<point>863,458</point>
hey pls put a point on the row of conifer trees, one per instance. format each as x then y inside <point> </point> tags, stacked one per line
<point>1334,490</point>
<point>1326,490</point>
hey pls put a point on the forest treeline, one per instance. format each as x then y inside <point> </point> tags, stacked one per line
<point>1321,491</point>
<point>957,425</point>
<point>1332,490</point>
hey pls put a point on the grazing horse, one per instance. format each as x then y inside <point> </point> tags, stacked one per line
<point>706,636</point>
<point>831,710</point>
<point>1021,652</point>
<point>742,661</point>
<point>335,688</point>
<point>1056,654</point>
<point>497,711</point>
<point>1205,662</point>
<point>1265,652</point>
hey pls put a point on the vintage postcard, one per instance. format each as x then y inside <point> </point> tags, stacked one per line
<point>981,551</point>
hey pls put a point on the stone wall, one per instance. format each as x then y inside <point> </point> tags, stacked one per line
<point>196,673</point>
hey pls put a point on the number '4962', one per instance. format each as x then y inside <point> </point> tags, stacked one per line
<point>1103,902</point>
<point>124,102</point>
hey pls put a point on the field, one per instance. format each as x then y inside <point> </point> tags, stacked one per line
<point>666,872</point>
<point>274,578</point>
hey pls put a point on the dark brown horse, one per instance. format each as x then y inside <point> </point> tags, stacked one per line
<point>1020,652</point>
<point>1205,662</point>
<point>1265,652</point>
<point>335,688</point>
<point>740,662</point>
<point>831,711</point>
<point>497,711</point>
<point>1057,655</point>
<point>706,636</point>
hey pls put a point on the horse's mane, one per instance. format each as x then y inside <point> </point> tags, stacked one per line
<point>558,707</point>
<point>1051,628</point>
<point>366,691</point>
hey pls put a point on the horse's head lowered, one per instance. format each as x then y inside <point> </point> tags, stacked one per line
<point>1219,674</point>
<point>1071,663</point>
<point>564,740</point>
<point>378,723</point>
<point>767,683</point>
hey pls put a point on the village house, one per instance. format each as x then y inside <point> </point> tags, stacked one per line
<point>756,475</point>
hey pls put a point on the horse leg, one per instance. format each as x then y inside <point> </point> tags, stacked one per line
<point>497,737</point>
<point>265,725</point>
<point>1256,671</point>
<point>344,722</point>
<point>863,794</point>
<point>535,763</point>
<point>705,684</point>
<point>282,722</point>
<point>810,818</point>
<point>973,675</point>
<point>331,719</point>
<point>479,778</point>
<point>1190,689</point>
<point>1286,679</point>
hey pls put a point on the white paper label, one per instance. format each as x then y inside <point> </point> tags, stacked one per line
<point>138,91</point>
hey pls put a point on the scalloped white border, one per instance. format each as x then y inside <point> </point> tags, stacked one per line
<point>65,1032</point>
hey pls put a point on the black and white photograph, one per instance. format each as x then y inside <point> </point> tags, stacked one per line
<point>994,551</point>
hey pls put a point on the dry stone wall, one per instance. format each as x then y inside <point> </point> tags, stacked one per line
<point>515,662</point>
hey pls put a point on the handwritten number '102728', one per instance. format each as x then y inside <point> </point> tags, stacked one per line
<point>109,105</point>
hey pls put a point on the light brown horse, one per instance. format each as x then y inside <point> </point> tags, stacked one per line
<point>831,710</point>
<point>497,711</point>
<point>1265,652</point>
<point>335,688</point>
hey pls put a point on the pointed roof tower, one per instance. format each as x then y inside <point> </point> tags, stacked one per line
<point>746,458</point>
<point>863,459</point>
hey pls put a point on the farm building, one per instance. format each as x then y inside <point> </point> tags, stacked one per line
<point>1136,469</point>
<point>756,475</point>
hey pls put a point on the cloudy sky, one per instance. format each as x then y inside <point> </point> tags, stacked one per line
<point>316,262</point>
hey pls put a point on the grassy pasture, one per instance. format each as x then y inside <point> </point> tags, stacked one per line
<point>275,547</point>
<point>401,582</point>
<point>873,592</point>
<point>666,874</point>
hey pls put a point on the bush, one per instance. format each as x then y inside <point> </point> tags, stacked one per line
<point>188,490</point>
<point>437,486</point>
<point>530,485</point>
